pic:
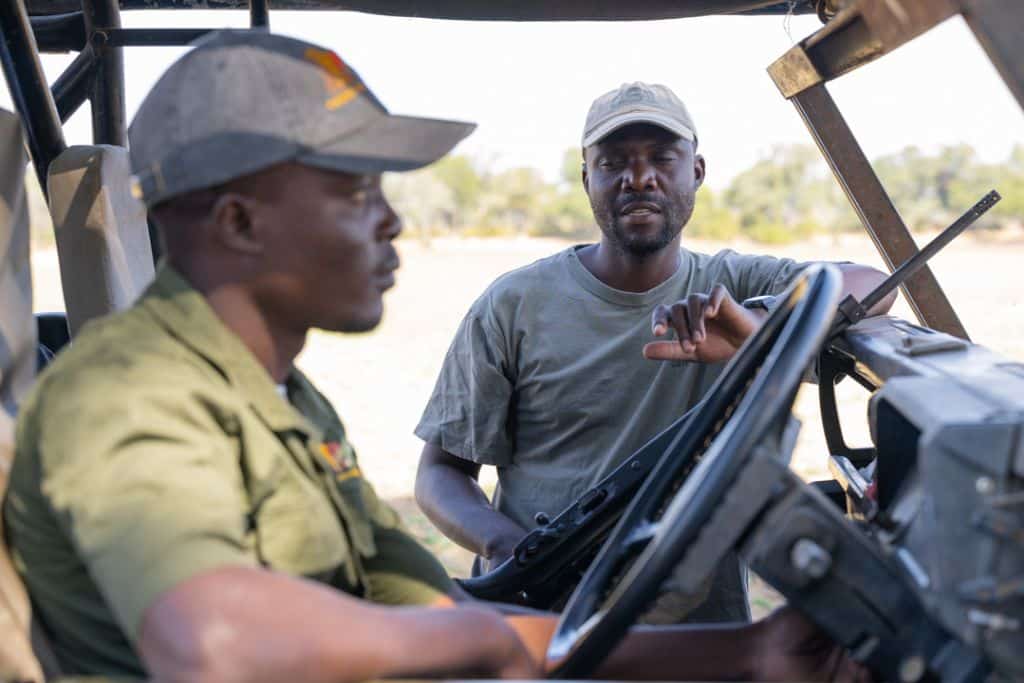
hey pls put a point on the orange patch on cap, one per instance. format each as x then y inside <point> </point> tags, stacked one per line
<point>340,82</point>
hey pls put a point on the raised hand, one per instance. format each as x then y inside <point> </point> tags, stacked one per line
<point>709,327</point>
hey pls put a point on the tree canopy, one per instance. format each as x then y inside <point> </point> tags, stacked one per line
<point>788,194</point>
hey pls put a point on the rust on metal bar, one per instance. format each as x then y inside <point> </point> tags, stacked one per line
<point>874,207</point>
<point>793,72</point>
<point>895,22</point>
<point>859,34</point>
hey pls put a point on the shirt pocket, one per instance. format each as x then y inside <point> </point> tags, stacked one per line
<point>298,532</point>
<point>295,527</point>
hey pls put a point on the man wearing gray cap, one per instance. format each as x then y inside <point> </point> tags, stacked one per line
<point>550,376</point>
<point>182,497</point>
<point>184,503</point>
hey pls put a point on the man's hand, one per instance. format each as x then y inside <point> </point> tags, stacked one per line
<point>499,549</point>
<point>449,495</point>
<point>791,648</point>
<point>710,327</point>
<point>534,631</point>
<point>519,651</point>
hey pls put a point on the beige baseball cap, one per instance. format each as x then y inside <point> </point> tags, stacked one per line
<point>638,103</point>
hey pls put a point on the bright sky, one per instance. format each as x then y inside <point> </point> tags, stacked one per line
<point>529,85</point>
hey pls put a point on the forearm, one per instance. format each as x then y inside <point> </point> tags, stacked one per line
<point>255,625</point>
<point>456,504</point>
<point>860,281</point>
<point>689,653</point>
<point>665,653</point>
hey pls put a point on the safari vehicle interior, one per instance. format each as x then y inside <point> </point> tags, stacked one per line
<point>912,557</point>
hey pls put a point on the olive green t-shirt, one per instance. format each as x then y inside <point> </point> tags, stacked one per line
<point>155,448</point>
<point>545,379</point>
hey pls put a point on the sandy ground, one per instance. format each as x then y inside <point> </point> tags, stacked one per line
<point>380,381</point>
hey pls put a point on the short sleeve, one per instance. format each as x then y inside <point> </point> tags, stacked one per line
<point>750,275</point>
<point>146,486</point>
<point>468,412</point>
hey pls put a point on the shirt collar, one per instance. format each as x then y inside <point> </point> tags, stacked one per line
<point>187,316</point>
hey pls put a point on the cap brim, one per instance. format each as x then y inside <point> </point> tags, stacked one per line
<point>613,124</point>
<point>391,143</point>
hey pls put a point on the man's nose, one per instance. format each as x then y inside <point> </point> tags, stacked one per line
<point>391,223</point>
<point>639,176</point>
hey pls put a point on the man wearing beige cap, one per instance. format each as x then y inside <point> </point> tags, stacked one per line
<point>552,376</point>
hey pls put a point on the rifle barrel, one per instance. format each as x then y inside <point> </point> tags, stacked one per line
<point>914,263</point>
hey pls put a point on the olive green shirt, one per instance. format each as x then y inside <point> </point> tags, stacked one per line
<point>156,448</point>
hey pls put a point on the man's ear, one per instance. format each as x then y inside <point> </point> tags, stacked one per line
<point>583,170</point>
<point>235,226</point>
<point>698,170</point>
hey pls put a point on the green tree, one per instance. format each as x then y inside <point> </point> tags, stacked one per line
<point>711,219</point>
<point>424,202</point>
<point>512,202</point>
<point>779,193</point>
<point>465,182</point>
<point>572,167</point>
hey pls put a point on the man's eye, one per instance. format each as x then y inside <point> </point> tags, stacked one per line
<point>359,196</point>
<point>664,158</point>
<point>609,163</point>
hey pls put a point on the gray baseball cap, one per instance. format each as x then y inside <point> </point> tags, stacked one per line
<point>637,103</point>
<point>242,101</point>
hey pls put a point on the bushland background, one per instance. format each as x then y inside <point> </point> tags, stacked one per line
<point>467,223</point>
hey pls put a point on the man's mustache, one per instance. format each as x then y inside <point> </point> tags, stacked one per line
<point>639,198</point>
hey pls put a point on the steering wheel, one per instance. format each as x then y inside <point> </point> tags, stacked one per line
<point>751,398</point>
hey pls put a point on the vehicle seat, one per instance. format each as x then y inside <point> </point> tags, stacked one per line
<point>17,370</point>
<point>106,259</point>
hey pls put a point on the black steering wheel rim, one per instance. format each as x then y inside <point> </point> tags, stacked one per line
<point>667,513</point>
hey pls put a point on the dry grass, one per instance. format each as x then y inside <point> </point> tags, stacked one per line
<point>380,381</point>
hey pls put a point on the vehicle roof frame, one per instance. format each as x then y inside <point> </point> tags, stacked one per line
<point>862,32</point>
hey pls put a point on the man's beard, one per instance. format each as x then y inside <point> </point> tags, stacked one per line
<point>674,218</point>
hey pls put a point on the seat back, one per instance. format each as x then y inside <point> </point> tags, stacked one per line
<point>106,259</point>
<point>17,370</point>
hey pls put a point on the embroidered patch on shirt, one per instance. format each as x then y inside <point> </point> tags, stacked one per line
<point>342,461</point>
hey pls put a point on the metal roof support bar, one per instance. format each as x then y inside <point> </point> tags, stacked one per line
<point>513,10</point>
<point>874,207</point>
<point>60,32</point>
<point>72,88</point>
<point>864,31</point>
<point>150,37</point>
<point>998,25</point>
<point>29,89</point>
<point>109,118</point>
<point>259,14</point>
